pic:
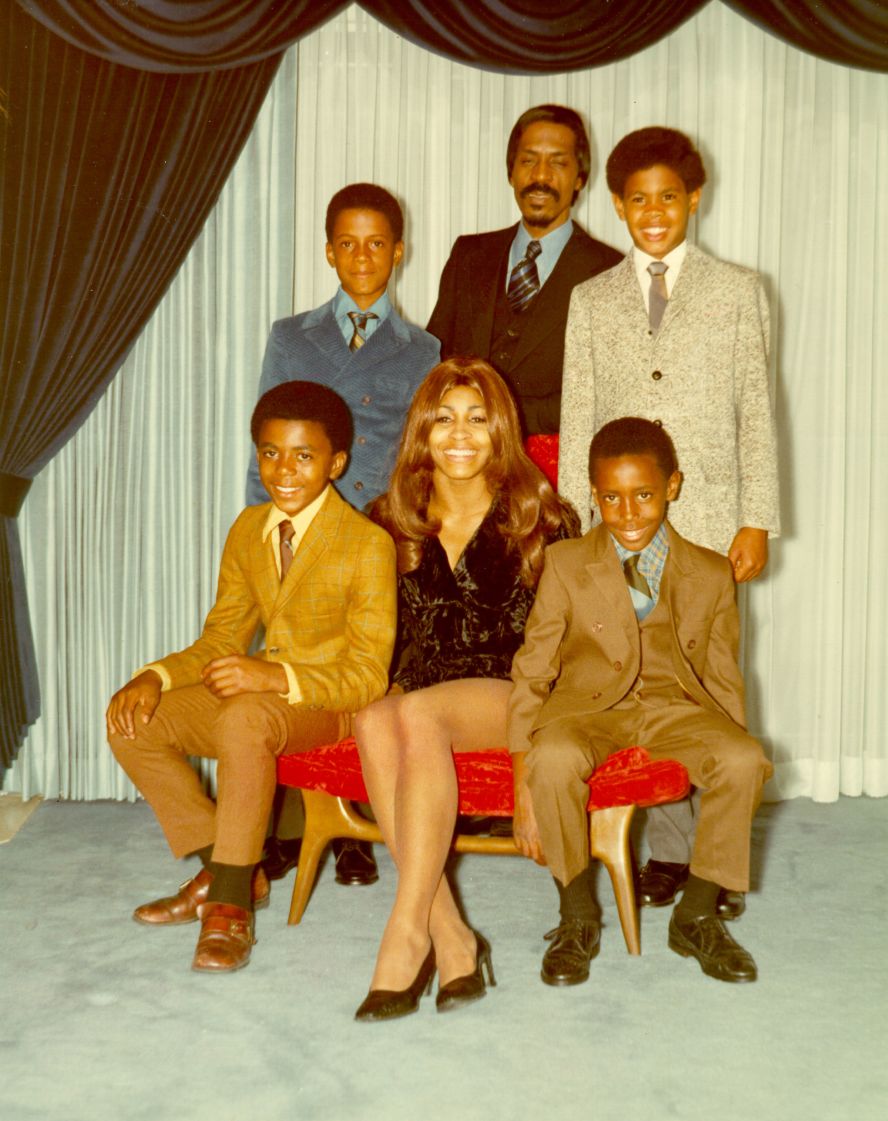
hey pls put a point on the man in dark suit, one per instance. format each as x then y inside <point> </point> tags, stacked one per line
<point>504,295</point>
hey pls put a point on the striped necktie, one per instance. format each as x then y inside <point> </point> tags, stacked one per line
<point>524,283</point>
<point>359,319</point>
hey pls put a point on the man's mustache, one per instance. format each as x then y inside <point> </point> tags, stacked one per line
<point>537,187</point>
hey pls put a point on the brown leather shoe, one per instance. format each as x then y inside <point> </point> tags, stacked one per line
<point>185,905</point>
<point>226,938</point>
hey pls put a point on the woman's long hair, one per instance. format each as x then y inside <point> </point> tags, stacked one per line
<point>528,509</point>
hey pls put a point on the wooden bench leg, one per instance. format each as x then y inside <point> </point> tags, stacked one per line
<point>609,842</point>
<point>326,817</point>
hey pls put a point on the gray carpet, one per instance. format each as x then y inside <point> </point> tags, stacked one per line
<point>104,1021</point>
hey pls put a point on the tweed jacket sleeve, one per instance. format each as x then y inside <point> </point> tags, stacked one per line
<point>332,619</point>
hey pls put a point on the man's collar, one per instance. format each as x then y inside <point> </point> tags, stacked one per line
<point>554,241</point>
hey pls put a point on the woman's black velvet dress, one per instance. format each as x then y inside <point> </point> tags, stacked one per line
<point>465,622</point>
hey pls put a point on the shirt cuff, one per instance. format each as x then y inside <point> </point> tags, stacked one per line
<point>293,695</point>
<point>166,682</point>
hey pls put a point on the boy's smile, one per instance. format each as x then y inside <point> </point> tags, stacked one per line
<point>296,461</point>
<point>632,494</point>
<point>656,207</point>
<point>363,252</point>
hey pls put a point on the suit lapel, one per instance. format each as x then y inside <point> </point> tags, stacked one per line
<point>687,288</point>
<point>311,549</point>
<point>606,574</point>
<point>485,291</point>
<point>322,331</point>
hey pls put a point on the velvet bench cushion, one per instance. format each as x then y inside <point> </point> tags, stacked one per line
<point>484,778</point>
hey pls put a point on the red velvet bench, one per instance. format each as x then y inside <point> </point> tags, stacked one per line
<point>330,779</point>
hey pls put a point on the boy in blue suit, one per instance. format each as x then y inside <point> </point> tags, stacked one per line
<point>358,345</point>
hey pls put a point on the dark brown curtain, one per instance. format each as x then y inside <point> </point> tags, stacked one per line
<point>108,174</point>
<point>852,32</point>
<point>119,123</point>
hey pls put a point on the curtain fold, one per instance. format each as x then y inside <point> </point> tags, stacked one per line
<point>852,32</point>
<point>108,175</point>
<point>178,36</point>
<point>526,36</point>
<point>533,36</point>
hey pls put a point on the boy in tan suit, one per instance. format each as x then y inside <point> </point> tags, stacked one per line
<point>633,639</point>
<point>320,578</point>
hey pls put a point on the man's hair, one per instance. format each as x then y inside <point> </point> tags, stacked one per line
<point>366,196</point>
<point>309,401</point>
<point>655,145</point>
<point>556,115</point>
<point>632,435</point>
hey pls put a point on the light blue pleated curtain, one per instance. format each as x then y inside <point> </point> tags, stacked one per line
<point>123,531</point>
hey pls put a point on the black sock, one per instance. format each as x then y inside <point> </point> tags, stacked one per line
<point>698,899</point>
<point>232,883</point>
<point>204,855</point>
<point>577,899</point>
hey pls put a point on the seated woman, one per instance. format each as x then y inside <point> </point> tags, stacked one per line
<point>471,516</point>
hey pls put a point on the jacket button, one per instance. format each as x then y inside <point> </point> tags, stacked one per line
<point>618,666</point>
<point>656,375</point>
<point>512,333</point>
<point>359,485</point>
<point>692,643</point>
<point>659,423</point>
<point>366,399</point>
<point>362,440</point>
<point>274,650</point>
<point>595,696</point>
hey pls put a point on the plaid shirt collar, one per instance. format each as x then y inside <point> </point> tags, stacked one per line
<point>651,559</point>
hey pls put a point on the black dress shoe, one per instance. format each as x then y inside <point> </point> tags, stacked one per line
<point>706,939</point>
<point>355,864</point>
<point>574,945</point>
<point>280,856</point>
<point>730,904</point>
<point>389,1004</point>
<point>463,990</point>
<point>658,883</point>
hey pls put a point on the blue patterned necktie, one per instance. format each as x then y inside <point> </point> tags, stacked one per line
<point>659,296</point>
<point>524,283</point>
<point>359,319</point>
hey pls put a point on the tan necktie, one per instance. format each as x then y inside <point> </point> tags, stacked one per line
<point>659,296</point>
<point>286,531</point>
<point>359,319</point>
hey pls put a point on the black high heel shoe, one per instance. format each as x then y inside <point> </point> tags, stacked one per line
<point>463,990</point>
<point>389,1004</point>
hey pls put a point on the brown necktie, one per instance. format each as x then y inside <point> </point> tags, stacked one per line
<point>286,531</point>
<point>659,296</point>
<point>634,578</point>
<point>359,320</point>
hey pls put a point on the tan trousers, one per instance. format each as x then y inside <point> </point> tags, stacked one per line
<point>245,734</point>
<point>726,763</point>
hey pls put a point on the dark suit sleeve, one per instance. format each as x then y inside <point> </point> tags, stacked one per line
<point>273,365</point>
<point>443,323</point>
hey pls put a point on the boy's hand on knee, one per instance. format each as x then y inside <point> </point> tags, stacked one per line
<point>238,673</point>
<point>136,700</point>
<point>748,553</point>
